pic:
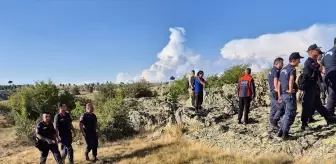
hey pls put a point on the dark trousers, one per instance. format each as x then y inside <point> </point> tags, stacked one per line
<point>66,147</point>
<point>290,112</point>
<point>331,102</point>
<point>277,110</point>
<point>54,149</point>
<point>91,144</point>
<point>324,90</point>
<point>244,107</point>
<point>311,101</point>
<point>198,100</point>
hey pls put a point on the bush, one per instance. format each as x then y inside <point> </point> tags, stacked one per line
<point>106,91</point>
<point>232,75</point>
<point>78,111</point>
<point>177,89</point>
<point>69,99</point>
<point>214,81</point>
<point>75,90</point>
<point>29,102</point>
<point>113,118</point>
<point>138,89</point>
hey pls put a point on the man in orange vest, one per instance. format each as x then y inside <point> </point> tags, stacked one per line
<point>246,93</point>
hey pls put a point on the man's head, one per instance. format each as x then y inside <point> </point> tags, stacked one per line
<point>89,108</point>
<point>248,71</point>
<point>200,73</point>
<point>278,63</point>
<point>314,51</point>
<point>192,72</point>
<point>294,59</point>
<point>62,107</point>
<point>319,57</point>
<point>46,117</point>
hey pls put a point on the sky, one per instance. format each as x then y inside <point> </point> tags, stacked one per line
<point>82,41</point>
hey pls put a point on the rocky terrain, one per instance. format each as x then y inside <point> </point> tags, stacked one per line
<point>217,124</point>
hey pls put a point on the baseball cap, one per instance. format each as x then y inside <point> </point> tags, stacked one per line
<point>314,47</point>
<point>295,55</point>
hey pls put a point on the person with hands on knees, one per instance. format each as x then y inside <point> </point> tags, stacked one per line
<point>246,93</point>
<point>288,89</point>
<point>88,127</point>
<point>47,139</point>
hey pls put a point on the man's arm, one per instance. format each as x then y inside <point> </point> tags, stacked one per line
<point>40,137</point>
<point>291,84</point>
<point>189,80</point>
<point>279,90</point>
<point>253,89</point>
<point>202,81</point>
<point>56,123</point>
<point>81,125</point>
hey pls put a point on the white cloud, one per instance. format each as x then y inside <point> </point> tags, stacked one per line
<point>269,46</point>
<point>176,59</point>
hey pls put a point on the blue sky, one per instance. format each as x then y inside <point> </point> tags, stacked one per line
<point>78,41</point>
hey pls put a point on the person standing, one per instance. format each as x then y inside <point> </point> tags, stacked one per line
<point>246,93</point>
<point>199,85</point>
<point>63,126</point>
<point>47,139</point>
<point>312,83</point>
<point>88,127</point>
<point>191,87</point>
<point>277,109</point>
<point>288,89</point>
<point>329,65</point>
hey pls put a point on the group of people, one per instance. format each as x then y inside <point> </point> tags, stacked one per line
<point>48,134</point>
<point>318,75</point>
<point>317,78</point>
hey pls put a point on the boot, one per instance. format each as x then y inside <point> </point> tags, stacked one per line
<point>286,136</point>
<point>95,159</point>
<point>239,122</point>
<point>87,157</point>
<point>279,134</point>
<point>304,127</point>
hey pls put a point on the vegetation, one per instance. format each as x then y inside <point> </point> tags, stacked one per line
<point>178,90</point>
<point>29,102</point>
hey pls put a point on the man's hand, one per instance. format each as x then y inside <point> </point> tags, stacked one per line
<point>279,100</point>
<point>49,141</point>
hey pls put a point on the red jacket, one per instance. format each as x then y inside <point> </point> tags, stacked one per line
<point>246,87</point>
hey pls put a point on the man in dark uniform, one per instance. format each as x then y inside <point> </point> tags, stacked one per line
<point>47,139</point>
<point>288,89</point>
<point>277,109</point>
<point>329,64</point>
<point>246,93</point>
<point>312,82</point>
<point>88,127</point>
<point>63,127</point>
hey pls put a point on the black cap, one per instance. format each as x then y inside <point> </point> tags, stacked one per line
<point>314,47</point>
<point>295,55</point>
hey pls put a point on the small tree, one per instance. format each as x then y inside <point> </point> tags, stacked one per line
<point>232,75</point>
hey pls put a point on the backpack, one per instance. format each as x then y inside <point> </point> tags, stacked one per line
<point>301,82</point>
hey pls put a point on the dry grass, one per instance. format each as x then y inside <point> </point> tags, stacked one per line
<point>170,148</point>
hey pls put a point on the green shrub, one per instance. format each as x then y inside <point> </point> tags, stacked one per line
<point>29,102</point>
<point>78,111</point>
<point>232,75</point>
<point>177,89</point>
<point>138,89</point>
<point>67,98</point>
<point>106,91</point>
<point>214,81</point>
<point>113,118</point>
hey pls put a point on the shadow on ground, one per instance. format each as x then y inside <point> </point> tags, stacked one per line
<point>138,153</point>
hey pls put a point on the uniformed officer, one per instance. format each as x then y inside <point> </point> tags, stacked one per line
<point>48,139</point>
<point>88,127</point>
<point>277,109</point>
<point>288,89</point>
<point>323,88</point>
<point>329,64</point>
<point>63,126</point>
<point>312,82</point>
